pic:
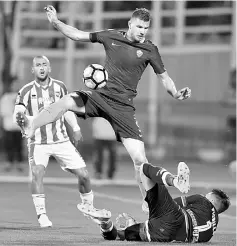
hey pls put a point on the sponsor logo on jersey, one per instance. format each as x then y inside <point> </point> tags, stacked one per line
<point>139,53</point>
<point>47,100</point>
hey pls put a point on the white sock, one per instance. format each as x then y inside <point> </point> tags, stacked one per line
<point>87,197</point>
<point>39,202</point>
<point>175,182</point>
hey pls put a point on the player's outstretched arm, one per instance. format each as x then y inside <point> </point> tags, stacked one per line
<point>169,85</point>
<point>69,31</point>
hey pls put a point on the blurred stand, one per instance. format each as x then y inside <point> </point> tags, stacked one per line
<point>13,143</point>
<point>104,140</point>
<point>195,41</point>
<point>231,119</point>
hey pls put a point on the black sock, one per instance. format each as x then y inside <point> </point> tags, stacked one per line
<point>158,175</point>
<point>109,233</point>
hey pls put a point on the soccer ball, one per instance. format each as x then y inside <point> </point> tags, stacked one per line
<point>95,76</point>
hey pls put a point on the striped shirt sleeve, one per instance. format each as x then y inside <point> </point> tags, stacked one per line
<point>23,95</point>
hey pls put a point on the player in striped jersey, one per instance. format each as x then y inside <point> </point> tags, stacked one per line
<point>52,140</point>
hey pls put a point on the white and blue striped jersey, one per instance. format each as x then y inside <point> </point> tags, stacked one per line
<point>35,98</point>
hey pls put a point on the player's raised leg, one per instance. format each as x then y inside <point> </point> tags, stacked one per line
<point>150,175</point>
<point>50,114</point>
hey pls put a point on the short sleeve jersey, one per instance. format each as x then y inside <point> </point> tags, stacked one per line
<point>35,97</point>
<point>126,61</point>
<point>203,213</point>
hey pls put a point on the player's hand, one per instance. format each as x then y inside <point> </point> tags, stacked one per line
<point>183,94</point>
<point>77,136</point>
<point>51,13</point>
<point>124,220</point>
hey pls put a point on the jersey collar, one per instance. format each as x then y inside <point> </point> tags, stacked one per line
<point>44,87</point>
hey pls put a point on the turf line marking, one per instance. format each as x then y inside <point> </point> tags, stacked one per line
<point>225,232</point>
<point>131,201</point>
<point>119,182</point>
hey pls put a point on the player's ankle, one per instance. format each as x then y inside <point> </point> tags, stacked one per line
<point>106,226</point>
<point>175,182</point>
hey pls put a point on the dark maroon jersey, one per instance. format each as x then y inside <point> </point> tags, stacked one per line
<point>126,62</point>
<point>202,212</point>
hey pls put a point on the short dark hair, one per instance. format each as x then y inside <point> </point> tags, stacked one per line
<point>142,14</point>
<point>224,199</point>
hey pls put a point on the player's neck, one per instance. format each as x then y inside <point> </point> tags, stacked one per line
<point>43,82</point>
<point>129,37</point>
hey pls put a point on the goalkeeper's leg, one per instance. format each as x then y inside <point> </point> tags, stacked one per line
<point>136,232</point>
<point>150,175</point>
<point>108,230</point>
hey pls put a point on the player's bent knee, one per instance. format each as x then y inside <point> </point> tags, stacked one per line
<point>37,171</point>
<point>81,173</point>
<point>137,165</point>
<point>67,102</point>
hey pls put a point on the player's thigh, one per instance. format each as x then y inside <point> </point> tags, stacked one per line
<point>160,202</point>
<point>68,156</point>
<point>136,150</point>
<point>38,154</point>
<point>86,104</point>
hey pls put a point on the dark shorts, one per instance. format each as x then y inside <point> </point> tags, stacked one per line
<point>165,216</point>
<point>121,116</point>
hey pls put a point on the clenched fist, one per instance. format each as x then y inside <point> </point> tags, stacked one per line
<point>183,94</point>
<point>51,13</point>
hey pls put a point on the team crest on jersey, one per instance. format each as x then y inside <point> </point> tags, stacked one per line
<point>139,53</point>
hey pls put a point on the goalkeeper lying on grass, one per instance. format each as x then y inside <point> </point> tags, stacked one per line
<point>188,219</point>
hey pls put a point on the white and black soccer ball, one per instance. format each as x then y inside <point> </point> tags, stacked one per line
<point>95,76</point>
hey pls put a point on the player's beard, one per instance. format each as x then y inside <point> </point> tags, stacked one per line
<point>42,79</point>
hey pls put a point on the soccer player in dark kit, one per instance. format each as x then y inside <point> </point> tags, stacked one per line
<point>127,56</point>
<point>186,219</point>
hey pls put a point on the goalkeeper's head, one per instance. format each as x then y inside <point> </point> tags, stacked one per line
<point>219,199</point>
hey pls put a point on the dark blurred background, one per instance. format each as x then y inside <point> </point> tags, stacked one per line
<point>197,41</point>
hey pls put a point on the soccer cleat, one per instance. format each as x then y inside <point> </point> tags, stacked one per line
<point>25,124</point>
<point>44,221</point>
<point>145,207</point>
<point>181,181</point>
<point>99,216</point>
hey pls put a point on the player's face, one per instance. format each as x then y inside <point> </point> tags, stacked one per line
<point>138,29</point>
<point>214,200</point>
<point>41,69</point>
